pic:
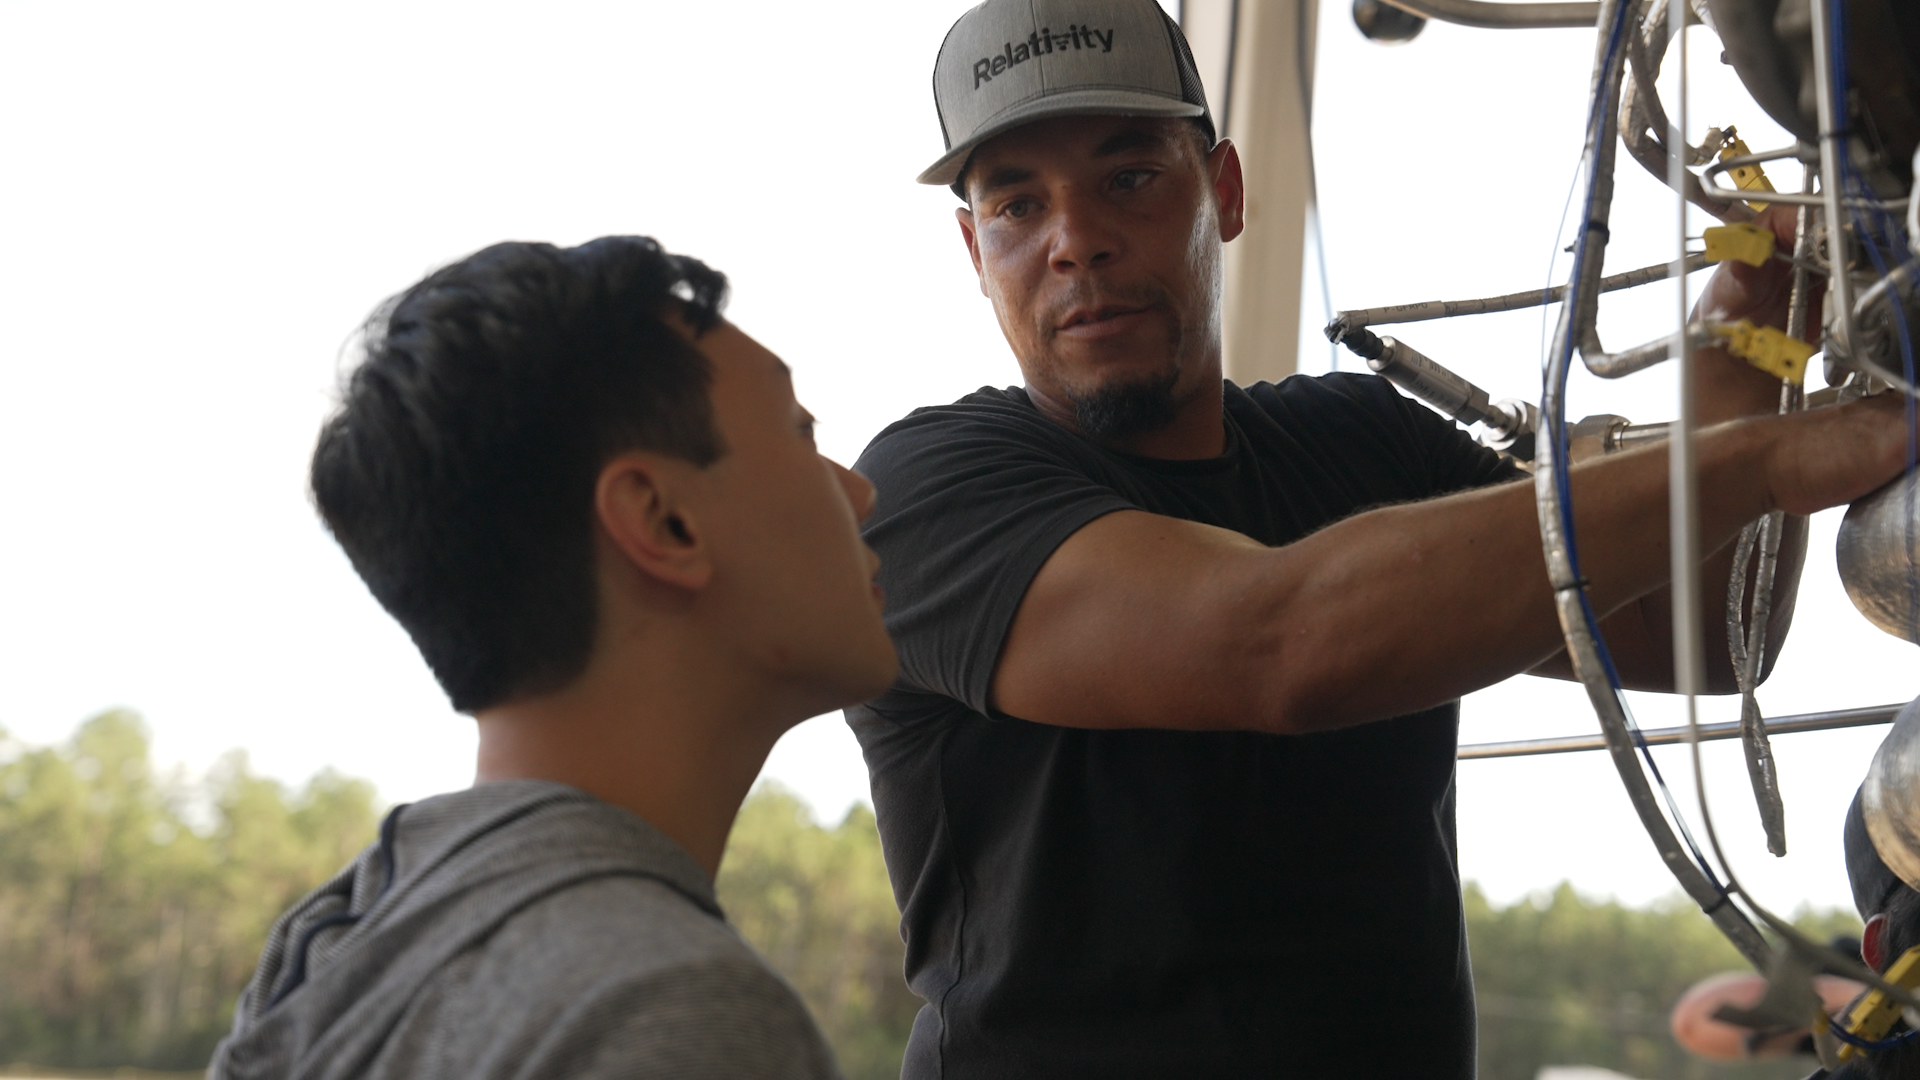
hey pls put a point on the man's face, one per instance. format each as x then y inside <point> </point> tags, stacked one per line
<point>1098,239</point>
<point>792,577</point>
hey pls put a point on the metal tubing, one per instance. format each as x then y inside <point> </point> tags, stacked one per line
<point>1431,382</point>
<point>1637,435</point>
<point>1747,644</point>
<point>1640,104</point>
<point>1913,209</point>
<point>1832,146</point>
<point>1781,725</point>
<point>1586,330</point>
<point>1568,589</point>
<point>1797,305</point>
<point>1689,671</point>
<point>1627,361</point>
<point>1748,649</point>
<point>1494,16</point>
<point>1447,309</point>
<point>1788,197</point>
<point>1643,145</point>
<point>1899,278</point>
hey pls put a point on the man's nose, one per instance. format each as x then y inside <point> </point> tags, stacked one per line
<point>1083,236</point>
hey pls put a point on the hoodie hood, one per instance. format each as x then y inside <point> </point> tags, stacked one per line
<point>341,966</point>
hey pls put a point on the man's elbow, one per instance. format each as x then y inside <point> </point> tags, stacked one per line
<point>1302,696</point>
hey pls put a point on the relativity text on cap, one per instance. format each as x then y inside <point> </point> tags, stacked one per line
<point>1040,43</point>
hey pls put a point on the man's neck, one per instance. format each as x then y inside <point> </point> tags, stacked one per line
<point>676,745</point>
<point>1197,432</point>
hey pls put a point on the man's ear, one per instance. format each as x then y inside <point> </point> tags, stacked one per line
<point>964,215</point>
<point>1873,942</point>
<point>639,506</point>
<point>1229,188</point>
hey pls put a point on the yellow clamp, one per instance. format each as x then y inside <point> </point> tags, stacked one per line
<point>1746,177</point>
<point>1767,348</point>
<point>1874,1015</point>
<point>1741,242</point>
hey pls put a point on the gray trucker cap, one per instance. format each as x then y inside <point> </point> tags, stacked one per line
<point>1011,62</point>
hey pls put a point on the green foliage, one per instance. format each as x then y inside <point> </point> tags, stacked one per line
<point>125,933</point>
<point>1564,980</point>
<point>816,901</point>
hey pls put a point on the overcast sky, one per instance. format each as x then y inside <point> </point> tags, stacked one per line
<point>200,202</point>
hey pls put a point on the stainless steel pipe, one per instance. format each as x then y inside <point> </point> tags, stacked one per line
<point>1493,16</point>
<point>1779,725</point>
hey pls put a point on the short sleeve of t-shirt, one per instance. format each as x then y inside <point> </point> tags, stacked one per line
<point>973,499</point>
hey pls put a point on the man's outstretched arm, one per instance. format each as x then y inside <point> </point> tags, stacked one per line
<point>1139,620</point>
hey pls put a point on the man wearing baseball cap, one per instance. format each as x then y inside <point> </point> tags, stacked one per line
<point>1166,781</point>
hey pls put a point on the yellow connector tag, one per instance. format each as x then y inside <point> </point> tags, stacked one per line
<point>1873,1017</point>
<point>1768,349</point>
<point>1746,177</point>
<point>1741,242</point>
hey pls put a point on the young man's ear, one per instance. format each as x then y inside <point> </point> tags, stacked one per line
<point>638,506</point>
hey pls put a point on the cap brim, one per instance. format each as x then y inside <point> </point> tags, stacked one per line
<point>1092,102</point>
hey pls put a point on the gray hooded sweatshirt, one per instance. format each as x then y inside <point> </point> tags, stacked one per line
<point>517,929</point>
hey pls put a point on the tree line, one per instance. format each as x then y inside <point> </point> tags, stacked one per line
<point>133,906</point>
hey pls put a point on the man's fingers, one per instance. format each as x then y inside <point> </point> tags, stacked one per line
<point>1738,291</point>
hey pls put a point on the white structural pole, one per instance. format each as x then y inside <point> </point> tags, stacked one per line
<point>1257,90</point>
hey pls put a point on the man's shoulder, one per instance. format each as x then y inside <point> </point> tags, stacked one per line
<point>1366,422</point>
<point>1333,396</point>
<point>990,416</point>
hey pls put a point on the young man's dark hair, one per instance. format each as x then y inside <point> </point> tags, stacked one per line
<point>600,512</point>
<point>458,472</point>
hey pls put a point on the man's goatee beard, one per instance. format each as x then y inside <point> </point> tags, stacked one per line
<point>1116,412</point>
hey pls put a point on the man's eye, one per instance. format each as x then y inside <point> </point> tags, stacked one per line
<point>1018,208</point>
<point>1132,179</point>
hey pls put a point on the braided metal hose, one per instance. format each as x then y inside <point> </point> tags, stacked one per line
<point>1569,591</point>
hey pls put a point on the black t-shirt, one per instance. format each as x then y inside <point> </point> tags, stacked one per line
<point>1150,902</point>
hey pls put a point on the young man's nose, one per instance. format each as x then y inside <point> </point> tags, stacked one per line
<point>858,488</point>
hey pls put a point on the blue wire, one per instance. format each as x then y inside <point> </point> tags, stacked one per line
<point>1871,1046</point>
<point>1893,233</point>
<point>1562,474</point>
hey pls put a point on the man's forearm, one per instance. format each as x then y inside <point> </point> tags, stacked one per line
<point>1468,573</point>
<point>1481,607</point>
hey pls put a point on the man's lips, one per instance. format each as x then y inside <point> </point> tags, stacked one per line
<point>1102,321</point>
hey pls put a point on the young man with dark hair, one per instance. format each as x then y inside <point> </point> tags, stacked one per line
<point>1166,783</point>
<point>598,510</point>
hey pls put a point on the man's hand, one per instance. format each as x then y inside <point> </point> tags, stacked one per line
<point>1726,386</point>
<point>1760,293</point>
